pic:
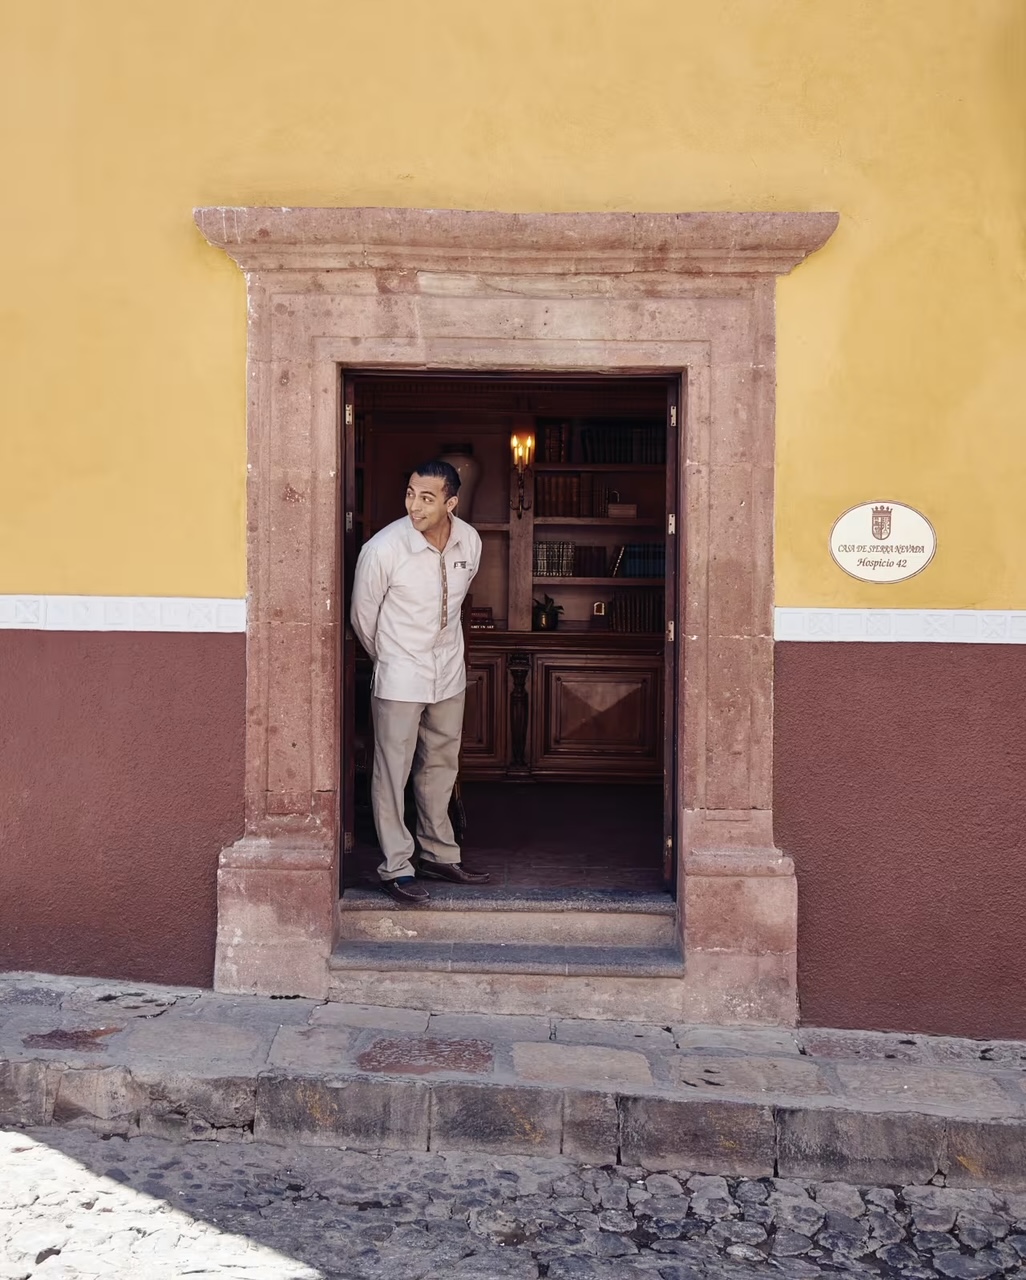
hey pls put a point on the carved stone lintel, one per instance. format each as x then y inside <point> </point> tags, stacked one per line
<point>703,244</point>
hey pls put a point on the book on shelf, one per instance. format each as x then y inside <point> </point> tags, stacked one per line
<point>554,442</point>
<point>639,611</point>
<point>479,617</point>
<point>624,442</point>
<point>569,560</point>
<point>553,559</point>
<point>570,494</point>
<point>639,560</point>
<point>590,562</point>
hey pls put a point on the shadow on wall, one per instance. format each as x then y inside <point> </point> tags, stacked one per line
<point>122,761</point>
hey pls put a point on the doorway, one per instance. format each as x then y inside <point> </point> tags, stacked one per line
<point>568,771</point>
<point>531,294</point>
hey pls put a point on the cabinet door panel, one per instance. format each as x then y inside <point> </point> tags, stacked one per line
<point>597,716</point>
<point>484,718</point>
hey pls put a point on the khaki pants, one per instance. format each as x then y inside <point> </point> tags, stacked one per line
<point>425,736</point>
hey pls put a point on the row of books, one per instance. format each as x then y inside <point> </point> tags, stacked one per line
<point>611,443</point>
<point>554,442</point>
<point>570,494</point>
<point>642,610</point>
<point>639,560</point>
<point>560,559</point>
<point>603,442</point>
<point>480,618</point>
<point>555,560</point>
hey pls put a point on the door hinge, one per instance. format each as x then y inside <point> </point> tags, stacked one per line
<point>349,522</point>
<point>349,415</point>
<point>670,631</point>
<point>671,524</point>
<point>673,415</point>
<point>348,843</point>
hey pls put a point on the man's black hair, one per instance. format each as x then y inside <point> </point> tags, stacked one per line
<point>436,469</point>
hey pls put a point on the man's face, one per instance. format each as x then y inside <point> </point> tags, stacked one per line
<point>426,503</point>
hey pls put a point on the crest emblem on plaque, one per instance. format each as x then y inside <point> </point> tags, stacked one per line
<point>882,523</point>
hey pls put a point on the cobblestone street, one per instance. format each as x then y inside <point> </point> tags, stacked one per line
<point>73,1204</point>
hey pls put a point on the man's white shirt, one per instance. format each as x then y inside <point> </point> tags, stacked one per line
<point>407,597</point>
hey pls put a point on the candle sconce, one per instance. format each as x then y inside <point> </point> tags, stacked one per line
<point>522,449</point>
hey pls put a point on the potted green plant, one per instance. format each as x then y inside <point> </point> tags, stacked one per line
<point>546,614</point>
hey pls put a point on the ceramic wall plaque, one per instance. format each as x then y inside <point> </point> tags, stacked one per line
<point>882,542</point>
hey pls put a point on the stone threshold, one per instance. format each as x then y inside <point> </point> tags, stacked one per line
<point>456,897</point>
<point>509,958</point>
<point>868,1108</point>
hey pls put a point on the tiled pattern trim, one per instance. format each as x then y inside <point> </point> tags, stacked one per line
<point>206,613</point>
<point>939,626</point>
<point>201,613</point>
<point>121,613</point>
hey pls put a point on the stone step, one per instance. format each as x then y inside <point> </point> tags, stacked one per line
<point>630,983</point>
<point>458,913</point>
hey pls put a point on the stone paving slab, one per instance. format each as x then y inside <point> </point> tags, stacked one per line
<point>120,1058</point>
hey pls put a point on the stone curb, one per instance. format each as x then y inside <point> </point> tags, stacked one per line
<point>656,1132</point>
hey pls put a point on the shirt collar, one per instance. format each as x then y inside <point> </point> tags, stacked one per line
<point>417,541</point>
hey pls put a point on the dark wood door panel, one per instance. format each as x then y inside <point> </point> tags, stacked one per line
<point>597,717</point>
<point>484,717</point>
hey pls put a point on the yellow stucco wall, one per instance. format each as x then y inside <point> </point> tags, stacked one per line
<point>901,345</point>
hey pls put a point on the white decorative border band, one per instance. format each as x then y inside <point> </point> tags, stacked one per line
<point>930,626</point>
<point>121,613</point>
<point>201,613</point>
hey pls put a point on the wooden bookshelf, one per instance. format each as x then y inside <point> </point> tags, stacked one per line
<point>601,522</point>
<point>599,582</point>
<point>634,468</point>
<point>582,702</point>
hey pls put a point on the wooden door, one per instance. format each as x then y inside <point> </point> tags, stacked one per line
<point>673,644</point>
<point>347,736</point>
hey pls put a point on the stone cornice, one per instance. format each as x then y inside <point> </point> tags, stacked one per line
<point>703,244</point>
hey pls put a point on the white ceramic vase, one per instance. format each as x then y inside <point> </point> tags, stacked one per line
<point>461,458</point>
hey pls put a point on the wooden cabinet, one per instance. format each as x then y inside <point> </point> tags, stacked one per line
<point>575,706</point>
<point>596,715</point>
<point>485,749</point>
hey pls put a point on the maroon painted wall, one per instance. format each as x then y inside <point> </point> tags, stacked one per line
<point>900,791</point>
<point>121,761</point>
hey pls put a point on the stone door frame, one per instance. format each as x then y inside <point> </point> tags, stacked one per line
<point>466,292</point>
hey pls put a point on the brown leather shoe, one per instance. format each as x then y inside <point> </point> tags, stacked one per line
<point>406,891</point>
<point>454,871</point>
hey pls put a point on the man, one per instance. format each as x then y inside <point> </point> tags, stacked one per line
<point>411,581</point>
